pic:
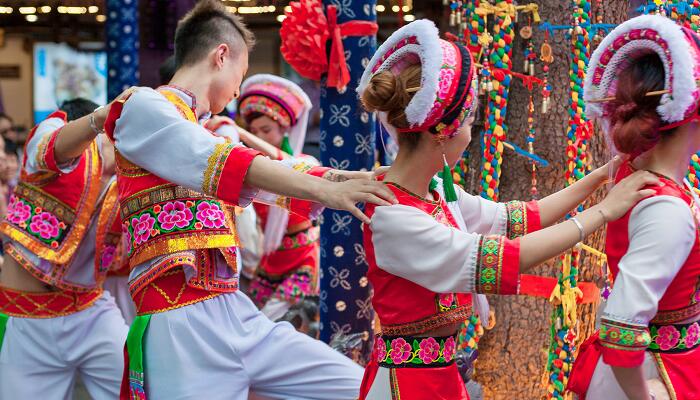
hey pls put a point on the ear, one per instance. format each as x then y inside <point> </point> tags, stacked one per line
<point>221,52</point>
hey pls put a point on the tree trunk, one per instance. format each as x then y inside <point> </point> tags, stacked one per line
<point>513,355</point>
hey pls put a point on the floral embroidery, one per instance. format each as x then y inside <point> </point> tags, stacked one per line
<point>490,264</point>
<point>675,338</point>
<point>107,256</point>
<point>174,214</point>
<point>414,351</point>
<point>621,336</point>
<point>18,212</point>
<point>301,239</point>
<point>516,220</point>
<point>291,288</point>
<point>142,227</point>
<point>446,302</point>
<point>210,215</point>
<point>45,225</point>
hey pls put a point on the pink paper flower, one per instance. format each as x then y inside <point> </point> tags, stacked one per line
<point>667,337</point>
<point>429,350</point>
<point>692,335</point>
<point>18,211</point>
<point>45,224</point>
<point>174,214</point>
<point>142,228</point>
<point>210,215</point>
<point>400,351</point>
<point>450,349</point>
<point>379,349</point>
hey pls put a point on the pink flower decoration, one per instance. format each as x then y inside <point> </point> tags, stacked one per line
<point>287,242</point>
<point>400,351</point>
<point>692,335</point>
<point>379,349</point>
<point>429,350</point>
<point>667,337</point>
<point>142,228</point>
<point>303,239</point>
<point>446,299</point>
<point>108,256</point>
<point>45,224</point>
<point>174,214</point>
<point>18,211</point>
<point>210,215</point>
<point>450,349</point>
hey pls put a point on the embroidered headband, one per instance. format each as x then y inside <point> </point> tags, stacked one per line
<point>447,93</point>
<point>679,51</point>
<point>280,99</point>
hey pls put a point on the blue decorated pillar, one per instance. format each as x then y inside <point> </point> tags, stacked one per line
<point>347,142</point>
<point>122,39</point>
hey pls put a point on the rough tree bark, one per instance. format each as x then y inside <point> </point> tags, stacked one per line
<point>512,356</point>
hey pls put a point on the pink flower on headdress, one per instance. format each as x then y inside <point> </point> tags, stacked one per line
<point>45,224</point>
<point>17,211</point>
<point>667,337</point>
<point>174,214</point>
<point>450,349</point>
<point>692,335</point>
<point>447,75</point>
<point>379,349</point>
<point>142,228</point>
<point>429,350</point>
<point>400,351</point>
<point>210,215</point>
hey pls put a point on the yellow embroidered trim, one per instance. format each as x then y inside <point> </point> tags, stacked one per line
<point>302,167</point>
<point>664,376</point>
<point>459,314</point>
<point>174,244</point>
<point>394,383</point>
<point>53,314</point>
<point>126,168</point>
<point>41,152</point>
<point>180,104</point>
<point>673,316</point>
<point>215,166</point>
<point>139,201</point>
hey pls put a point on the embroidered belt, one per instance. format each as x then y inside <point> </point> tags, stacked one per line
<point>674,338</point>
<point>168,292</point>
<point>299,239</point>
<point>414,352</point>
<point>435,321</point>
<point>16,303</point>
<point>666,317</point>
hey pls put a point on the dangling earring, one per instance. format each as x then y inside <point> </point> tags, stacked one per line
<point>286,146</point>
<point>448,183</point>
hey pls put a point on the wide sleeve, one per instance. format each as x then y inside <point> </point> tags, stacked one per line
<point>153,135</point>
<point>661,232</point>
<point>513,219</point>
<point>225,129</point>
<point>411,244</point>
<point>39,149</point>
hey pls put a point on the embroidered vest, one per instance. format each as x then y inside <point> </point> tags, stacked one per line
<point>404,307</point>
<point>682,299</point>
<point>49,212</point>
<point>159,217</point>
<point>109,246</point>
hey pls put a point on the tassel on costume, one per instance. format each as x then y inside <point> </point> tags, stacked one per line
<point>286,146</point>
<point>448,183</point>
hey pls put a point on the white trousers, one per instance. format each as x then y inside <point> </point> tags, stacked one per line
<point>40,357</point>
<point>604,384</point>
<point>223,347</point>
<point>118,287</point>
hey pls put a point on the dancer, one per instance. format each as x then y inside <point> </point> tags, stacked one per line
<point>195,335</point>
<point>440,244</point>
<point>653,313</point>
<point>277,110</point>
<point>54,315</point>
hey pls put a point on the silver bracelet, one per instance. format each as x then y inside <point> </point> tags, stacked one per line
<point>582,233</point>
<point>93,125</point>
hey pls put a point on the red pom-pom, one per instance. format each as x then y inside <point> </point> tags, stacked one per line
<point>304,35</point>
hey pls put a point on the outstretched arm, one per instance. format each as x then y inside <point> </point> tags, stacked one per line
<point>77,135</point>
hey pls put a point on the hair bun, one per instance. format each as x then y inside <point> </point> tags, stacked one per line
<point>625,112</point>
<point>386,92</point>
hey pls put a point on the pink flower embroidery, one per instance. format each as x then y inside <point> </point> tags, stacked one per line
<point>379,349</point>
<point>446,299</point>
<point>302,239</point>
<point>696,296</point>
<point>450,349</point>
<point>692,335</point>
<point>400,351</point>
<point>429,350</point>
<point>142,228</point>
<point>174,214</point>
<point>108,256</point>
<point>45,224</point>
<point>287,242</point>
<point>667,337</point>
<point>210,215</point>
<point>17,211</point>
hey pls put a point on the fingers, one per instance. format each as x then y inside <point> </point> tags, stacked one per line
<point>382,191</point>
<point>381,171</point>
<point>371,198</point>
<point>359,214</point>
<point>644,193</point>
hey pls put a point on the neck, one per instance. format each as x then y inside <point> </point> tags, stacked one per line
<point>408,170</point>
<point>670,157</point>
<point>197,82</point>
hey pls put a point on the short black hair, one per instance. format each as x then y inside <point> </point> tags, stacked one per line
<point>207,25</point>
<point>77,108</point>
<point>167,70</point>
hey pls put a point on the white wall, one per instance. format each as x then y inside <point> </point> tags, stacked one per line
<point>17,93</point>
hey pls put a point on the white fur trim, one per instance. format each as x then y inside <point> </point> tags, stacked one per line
<point>430,53</point>
<point>297,133</point>
<point>673,107</point>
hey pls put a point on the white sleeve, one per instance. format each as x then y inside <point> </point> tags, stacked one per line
<point>411,244</point>
<point>482,215</point>
<point>661,233</point>
<point>229,131</point>
<point>36,147</point>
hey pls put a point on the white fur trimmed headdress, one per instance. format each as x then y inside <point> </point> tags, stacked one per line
<point>678,49</point>
<point>446,95</point>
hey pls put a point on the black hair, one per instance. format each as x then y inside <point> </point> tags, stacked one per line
<point>77,108</point>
